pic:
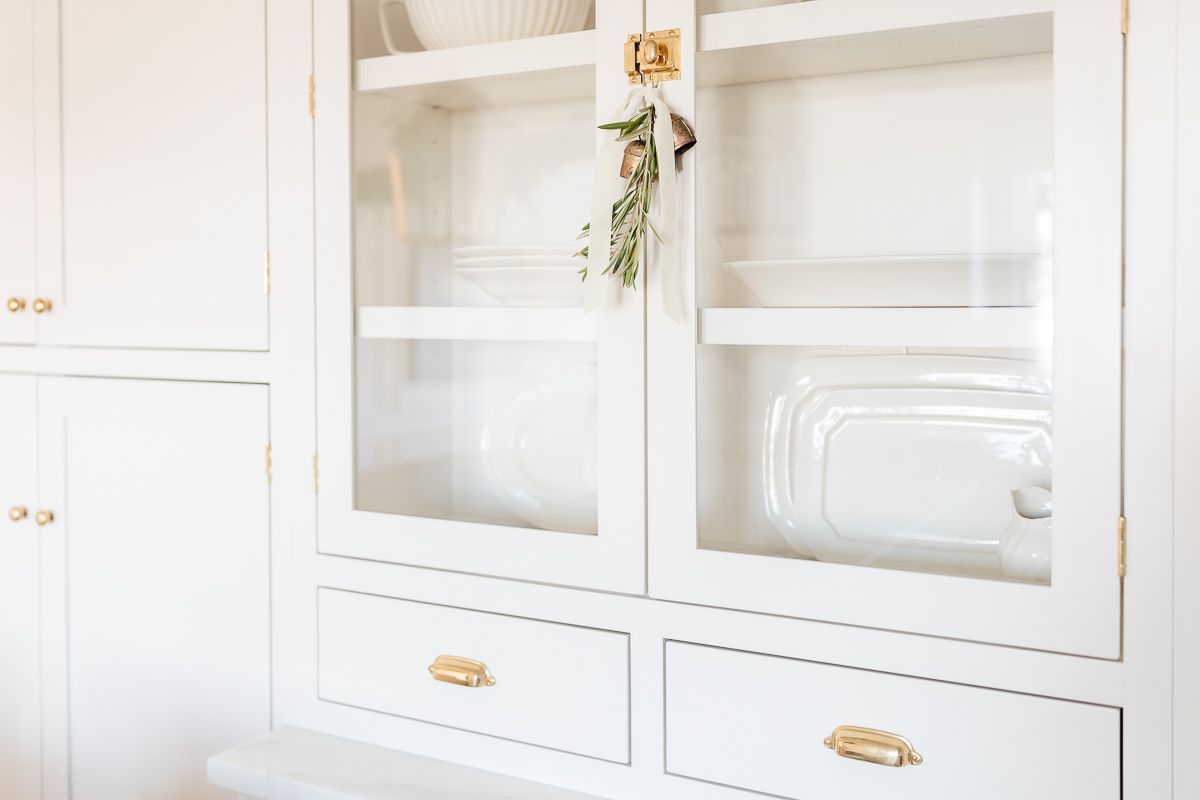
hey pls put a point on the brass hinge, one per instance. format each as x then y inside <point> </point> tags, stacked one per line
<point>268,462</point>
<point>1124,16</point>
<point>1121,546</point>
<point>312,95</point>
<point>316,474</point>
<point>267,272</point>
<point>657,58</point>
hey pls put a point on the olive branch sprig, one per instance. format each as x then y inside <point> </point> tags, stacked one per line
<point>631,211</point>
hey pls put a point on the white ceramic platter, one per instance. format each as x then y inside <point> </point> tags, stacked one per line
<point>540,451</point>
<point>529,287</point>
<point>905,461</point>
<point>895,281</point>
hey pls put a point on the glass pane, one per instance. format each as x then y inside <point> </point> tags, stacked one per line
<point>475,388</point>
<point>874,268</point>
<point>493,432</point>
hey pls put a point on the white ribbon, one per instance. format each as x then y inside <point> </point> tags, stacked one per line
<point>607,187</point>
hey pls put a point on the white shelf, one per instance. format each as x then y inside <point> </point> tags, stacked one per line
<point>1017,328</point>
<point>547,68</point>
<point>802,39</point>
<point>476,324</point>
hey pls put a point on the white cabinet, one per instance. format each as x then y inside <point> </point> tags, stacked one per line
<point>18,270</point>
<point>20,724</point>
<point>163,213</point>
<point>892,405</point>
<point>898,374</point>
<point>155,582</point>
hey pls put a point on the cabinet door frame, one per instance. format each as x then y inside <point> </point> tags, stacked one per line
<point>614,558</point>
<point>1081,611</point>
<point>18,159</point>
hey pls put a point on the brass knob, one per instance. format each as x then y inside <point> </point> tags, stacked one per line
<point>16,304</point>
<point>41,305</point>
<point>44,517</point>
<point>18,513</point>
<point>461,672</point>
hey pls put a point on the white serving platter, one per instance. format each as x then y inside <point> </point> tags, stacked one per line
<point>905,461</point>
<point>540,451</point>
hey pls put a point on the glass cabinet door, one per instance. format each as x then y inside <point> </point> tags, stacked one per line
<point>897,401</point>
<point>472,416</point>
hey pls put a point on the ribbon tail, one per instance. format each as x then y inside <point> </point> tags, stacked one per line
<point>670,277</point>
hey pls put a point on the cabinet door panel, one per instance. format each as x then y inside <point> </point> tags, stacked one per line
<point>164,176</point>
<point>20,746</point>
<point>156,582</point>
<point>17,270</point>
<point>901,373</point>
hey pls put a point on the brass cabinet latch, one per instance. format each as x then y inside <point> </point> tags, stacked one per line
<point>656,58</point>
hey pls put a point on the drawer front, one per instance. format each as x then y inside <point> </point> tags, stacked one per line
<point>759,722</point>
<point>557,686</point>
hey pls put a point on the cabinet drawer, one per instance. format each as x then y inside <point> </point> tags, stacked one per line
<point>557,686</point>
<point>758,722</point>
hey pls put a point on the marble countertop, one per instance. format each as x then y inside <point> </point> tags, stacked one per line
<point>298,764</point>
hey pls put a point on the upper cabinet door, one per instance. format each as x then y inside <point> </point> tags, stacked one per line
<point>164,176</point>
<point>472,416</point>
<point>20,723</point>
<point>18,276</point>
<point>899,387</point>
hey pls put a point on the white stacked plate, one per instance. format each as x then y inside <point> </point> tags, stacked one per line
<point>528,276</point>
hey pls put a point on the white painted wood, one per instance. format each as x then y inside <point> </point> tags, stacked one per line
<point>500,73</point>
<point>798,39</point>
<point>1186,555</point>
<point>649,622</point>
<point>557,686</point>
<point>757,722</point>
<point>297,764</point>
<point>1152,443</point>
<point>20,723</point>
<point>155,583</point>
<point>612,559</point>
<point>864,327</point>
<point>1088,131</point>
<point>198,365</point>
<point>18,272</point>
<point>164,177</point>
<point>478,324</point>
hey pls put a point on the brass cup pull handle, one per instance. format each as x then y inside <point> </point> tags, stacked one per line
<point>16,304</point>
<point>18,513</point>
<point>42,305</point>
<point>461,672</point>
<point>44,517</point>
<point>876,747</point>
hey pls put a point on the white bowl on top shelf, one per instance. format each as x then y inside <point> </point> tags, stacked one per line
<point>457,23</point>
<point>931,281</point>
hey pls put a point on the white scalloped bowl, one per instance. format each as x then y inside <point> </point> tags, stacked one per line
<point>456,23</point>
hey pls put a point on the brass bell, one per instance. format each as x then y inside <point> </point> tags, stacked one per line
<point>684,137</point>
